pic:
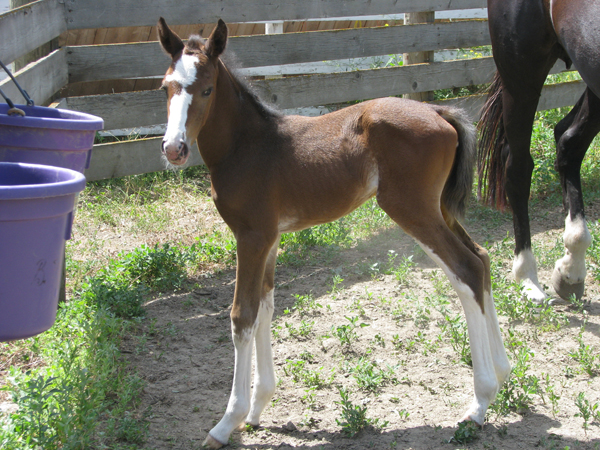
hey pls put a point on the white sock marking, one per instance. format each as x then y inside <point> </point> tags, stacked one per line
<point>577,239</point>
<point>525,272</point>
<point>483,347</point>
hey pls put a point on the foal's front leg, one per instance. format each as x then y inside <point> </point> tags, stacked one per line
<point>264,372</point>
<point>252,253</point>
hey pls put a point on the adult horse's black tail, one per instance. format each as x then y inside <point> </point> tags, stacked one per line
<point>491,159</point>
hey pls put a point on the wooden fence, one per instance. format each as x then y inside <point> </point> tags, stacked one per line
<point>25,29</point>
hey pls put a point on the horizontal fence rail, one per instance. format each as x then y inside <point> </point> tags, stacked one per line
<point>121,13</point>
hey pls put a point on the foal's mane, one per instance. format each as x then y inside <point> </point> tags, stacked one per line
<point>246,92</point>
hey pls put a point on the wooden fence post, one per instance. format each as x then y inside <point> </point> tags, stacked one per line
<point>39,52</point>
<point>419,57</point>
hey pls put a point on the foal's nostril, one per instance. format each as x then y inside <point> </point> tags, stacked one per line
<point>164,142</point>
<point>183,148</point>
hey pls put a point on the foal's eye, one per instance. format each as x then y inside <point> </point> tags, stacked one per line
<point>207,92</point>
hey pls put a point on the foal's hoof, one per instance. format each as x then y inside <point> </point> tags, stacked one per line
<point>211,442</point>
<point>564,289</point>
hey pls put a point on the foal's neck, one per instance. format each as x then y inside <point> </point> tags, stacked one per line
<point>237,120</point>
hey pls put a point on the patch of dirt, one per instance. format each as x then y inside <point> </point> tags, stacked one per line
<point>185,353</point>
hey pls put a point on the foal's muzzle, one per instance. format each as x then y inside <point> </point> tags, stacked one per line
<point>176,152</point>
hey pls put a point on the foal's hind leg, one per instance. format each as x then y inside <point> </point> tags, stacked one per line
<point>501,362</point>
<point>247,312</point>
<point>573,136</point>
<point>469,276</point>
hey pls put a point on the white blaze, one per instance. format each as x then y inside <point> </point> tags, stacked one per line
<point>184,75</point>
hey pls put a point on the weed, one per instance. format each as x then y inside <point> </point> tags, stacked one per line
<point>336,286</point>
<point>456,330</point>
<point>552,396</point>
<point>587,410</point>
<point>370,377</point>
<point>466,432</point>
<point>585,355</point>
<point>347,333</point>
<point>305,304</point>
<point>303,330</point>
<point>518,391</point>
<point>402,414</point>
<point>297,370</point>
<point>403,270</point>
<point>379,340</point>
<point>403,344</point>
<point>354,417</point>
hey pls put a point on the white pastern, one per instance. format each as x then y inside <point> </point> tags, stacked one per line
<point>577,239</point>
<point>239,400</point>
<point>264,375</point>
<point>525,272</point>
<point>483,348</point>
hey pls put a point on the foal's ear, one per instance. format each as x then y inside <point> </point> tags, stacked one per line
<point>217,41</point>
<point>169,41</point>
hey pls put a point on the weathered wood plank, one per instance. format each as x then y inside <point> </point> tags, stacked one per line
<point>342,87</point>
<point>130,158</point>
<point>26,28</point>
<point>41,79</point>
<point>119,13</point>
<point>127,110</point>
<point>103,62</point>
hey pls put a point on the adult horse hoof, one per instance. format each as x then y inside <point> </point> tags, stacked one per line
<point>211,442</point>
<point>564,289</point>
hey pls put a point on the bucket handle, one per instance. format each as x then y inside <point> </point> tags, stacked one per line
<point>13,109</point>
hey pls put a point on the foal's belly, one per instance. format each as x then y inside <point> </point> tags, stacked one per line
<point>315,207</point>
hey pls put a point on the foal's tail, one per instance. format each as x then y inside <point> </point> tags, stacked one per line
<point>457,190</point>
<point>492,139</point>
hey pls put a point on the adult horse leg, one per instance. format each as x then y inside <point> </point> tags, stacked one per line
<point>469,275</point>
<point>250,306</point>
<point>573,136</point>
<point>519,114</point>
<point>264,373</point>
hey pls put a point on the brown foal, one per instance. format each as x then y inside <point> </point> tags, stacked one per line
<point>274,174</point>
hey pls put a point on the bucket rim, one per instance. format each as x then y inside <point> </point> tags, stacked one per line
<point>74,182</point>
<point>57,118</point>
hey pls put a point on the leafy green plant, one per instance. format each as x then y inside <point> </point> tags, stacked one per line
<point>517,392</point>
<point>587,410</point>
<point>370,377</point>
<point>347,333</point>
<point>298,371</point>
<point>586,355</point>
<point>466,432</point>
<point>354,417</point>
<point>305,304</point>
<point>456,330</point>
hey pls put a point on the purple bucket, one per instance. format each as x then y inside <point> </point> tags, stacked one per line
<point>50,136</point>
<point>36,205</point>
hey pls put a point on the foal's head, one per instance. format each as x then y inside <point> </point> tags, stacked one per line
<point>190,83</point>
